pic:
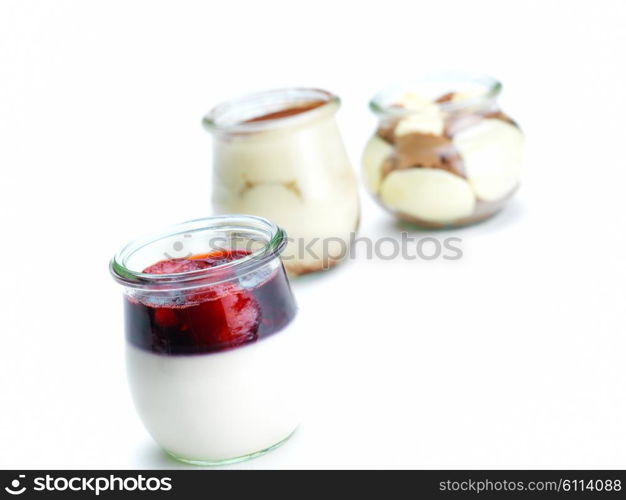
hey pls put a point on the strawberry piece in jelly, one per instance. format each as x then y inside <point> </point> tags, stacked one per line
<point>230,320</point>
<point>165,317</point>
<point>215,317</point>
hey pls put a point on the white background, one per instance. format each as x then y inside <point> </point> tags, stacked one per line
<point>512,357</point>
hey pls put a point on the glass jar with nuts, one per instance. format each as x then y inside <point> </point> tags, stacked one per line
<point>444,154</point>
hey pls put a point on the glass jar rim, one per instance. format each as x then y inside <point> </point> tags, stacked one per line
<point>382,102</point>
<point>217,121</point>
<point>275,242</point>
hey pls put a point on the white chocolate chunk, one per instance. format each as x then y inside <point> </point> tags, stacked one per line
<point>427,121</point>
<point>492,154</point>
<point>376,152</point>
<point>430,194</point>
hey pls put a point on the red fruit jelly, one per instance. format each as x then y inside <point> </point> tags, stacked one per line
<point>213,318</point>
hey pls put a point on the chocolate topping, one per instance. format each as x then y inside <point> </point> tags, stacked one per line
<point>284,113</point>
<point>499,115</point>
<point>421,150</point>
<point>445,97</point>
<point>424,150</point>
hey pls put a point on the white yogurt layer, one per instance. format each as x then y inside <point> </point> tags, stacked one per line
<point>218,406</point>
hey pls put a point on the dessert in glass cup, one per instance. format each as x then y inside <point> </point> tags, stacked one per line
<point>279,154</point>
<point>211,348</point>
<point>444,154</point>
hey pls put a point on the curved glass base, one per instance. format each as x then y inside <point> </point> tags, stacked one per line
<point>406,222</point>
<point>484,211</point>
<point>226,461</point>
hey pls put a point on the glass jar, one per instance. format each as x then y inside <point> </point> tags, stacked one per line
<point>211,354</point>
<point>278,154</point>
<point>444,154</point>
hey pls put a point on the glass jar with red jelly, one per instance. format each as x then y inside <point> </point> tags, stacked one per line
<point>211,348</point>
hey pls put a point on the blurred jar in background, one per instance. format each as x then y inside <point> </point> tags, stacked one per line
<point>444,154</point>
<point>278,154</point>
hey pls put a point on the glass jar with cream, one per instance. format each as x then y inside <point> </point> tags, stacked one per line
<point>279,154</point>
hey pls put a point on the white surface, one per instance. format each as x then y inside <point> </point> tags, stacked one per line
<point>510,357</point>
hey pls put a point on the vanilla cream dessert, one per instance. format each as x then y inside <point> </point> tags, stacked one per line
<point>212,347</point>
<point>280,155</point>
<point>443,157</point>
<point>218,405</point>
<point>212,371</point>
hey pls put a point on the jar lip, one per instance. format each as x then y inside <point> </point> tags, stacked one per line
<point>217,119</point>
<point>276,240</point>
<point>382,102</point>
